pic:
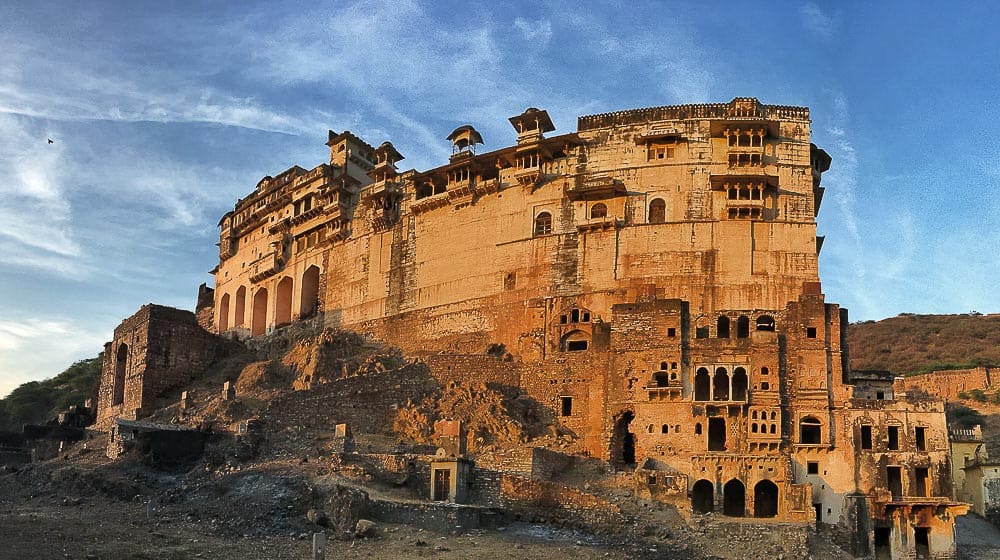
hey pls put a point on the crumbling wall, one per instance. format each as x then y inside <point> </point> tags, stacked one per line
<point>949,383</point>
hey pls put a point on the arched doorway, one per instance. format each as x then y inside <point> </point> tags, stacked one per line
<point>702,385</point>
<point>258,322</point>
<point>309,299</point>
<point>623,441</point>
<point>765,499</point>
<point>703,497</point>
<point>121,363</point>
<point>241,306</point>
<point>283,302</point>
<point>224,314</point>
<point>734,496</point>
<point>657,211</point>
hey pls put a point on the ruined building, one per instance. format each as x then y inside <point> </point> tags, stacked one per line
<point>653,276</point>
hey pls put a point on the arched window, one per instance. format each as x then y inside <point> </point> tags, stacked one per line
<point>743,327</point>
<point>720,385</point>
<point>734,498</point>
<point>765,323</point>
<point>309,296</point>
<point>722,327</point>
<point>703,496</point>
<point>810,431</point>
<point>665,429</point>
<point>575,341</point>
<point>599,210</point>
<point>765,499</point>
<point>543,223</point>
<point>740,382</point>
<point>657,211</point>
<point>224,313</point>
<point>702,385</point>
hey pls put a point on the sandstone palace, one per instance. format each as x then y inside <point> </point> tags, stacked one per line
<point>651,278</point>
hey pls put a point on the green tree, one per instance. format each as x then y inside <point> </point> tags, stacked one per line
<point>36,402</point>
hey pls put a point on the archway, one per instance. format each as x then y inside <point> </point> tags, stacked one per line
<point>810,431</point>
<point>743,327</point>
<point>599,210</point>
<point>702,385</point>
<point>241,306</point>
<point>574,341</point>
<point>224,313</point>
<point>309,299</point>
<point>722,327</point>
<point>703,497</point>
<point>734,497</point>
<point>657,211</point>
<point>283,302</point>
<point>720,385</point>
<point>623,441</point>
<point>765,499</point>
<point>258,321</point>
<point>740,383</point>
<point>121,363</point>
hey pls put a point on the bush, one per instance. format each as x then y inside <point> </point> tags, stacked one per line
<point>963,416</point>
<point>36,402</point>
<point>978,395</point>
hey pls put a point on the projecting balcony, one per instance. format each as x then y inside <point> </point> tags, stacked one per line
<point>595,188</point>
<point>528,175</point>
<point>265,266</point>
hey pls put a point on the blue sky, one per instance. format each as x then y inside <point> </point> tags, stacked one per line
<point>164,113</point>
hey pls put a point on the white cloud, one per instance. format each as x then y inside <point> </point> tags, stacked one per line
<point>27,350</point>
<point>815,20</point>
<point>538,32</point>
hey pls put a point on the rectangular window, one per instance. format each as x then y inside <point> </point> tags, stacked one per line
<point>893,437</point>
<point>567,406</point>
<point>866,437</point>
<point>671,332</point>
<point>812,467</point>
<point>811,332</point>
<point>920,439</point>
<point>659,150</point>
<point>923,482</point>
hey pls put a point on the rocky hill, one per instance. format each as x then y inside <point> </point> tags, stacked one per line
<point>38,401</point>
<point>908,343</point>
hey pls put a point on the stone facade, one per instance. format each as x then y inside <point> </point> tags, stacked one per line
<point>947,384</point>
<point>651,278</point>
<point>157,349</point>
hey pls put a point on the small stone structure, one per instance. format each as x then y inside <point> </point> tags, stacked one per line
<point>450,478</point>
<point>160,445</point>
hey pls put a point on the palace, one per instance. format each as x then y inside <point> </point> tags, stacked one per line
<point>652,279</point>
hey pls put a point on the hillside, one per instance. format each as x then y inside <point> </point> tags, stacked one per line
<point>38,401</point>
<point>909,343</point>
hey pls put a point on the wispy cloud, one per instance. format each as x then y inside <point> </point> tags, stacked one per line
<point>537,31</point>
<point>816,20</point>
<point>26,352</point>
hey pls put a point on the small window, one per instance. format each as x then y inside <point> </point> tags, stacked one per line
<point>763,371</point>
<point>599,210</point>
<point>810,332</point>
<point>576,345</point>
<point>920,440</point>
<point>671,332</point>
<point>697,428</point>
<point>893,437</point>
<point>810,431</point>
<point>701,332</point>
<point>567,406</point>
<point>651,480</point>
<point>880,395</point>
<point>665,429</point>
<point>543,223</point>
<point>866,436</point>
<point>812,467</point>
<point>764,386</point>
<point>657,211</point>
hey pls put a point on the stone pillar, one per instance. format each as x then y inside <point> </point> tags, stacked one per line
<point>319,546</point>
<point>228,391</point>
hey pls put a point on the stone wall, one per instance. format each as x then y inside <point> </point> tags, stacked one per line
<point>947,384</point>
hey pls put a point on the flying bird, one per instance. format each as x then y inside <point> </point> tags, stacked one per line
<point>51,141</point>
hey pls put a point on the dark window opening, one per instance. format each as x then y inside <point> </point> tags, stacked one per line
<point>716,434</point>
<point>880,395</point>
<point>743,327</point>
<point>894,478</point>
<point>920,439</point>
<point>740,382</point>
<point>722,327</point>
<point>697,428</point>
<point>664,429</point>
<point>575,316</point>
<point>703,497</point>
<point>810,431</point>
<point>765,323</point>
<point>661,379</point>
<point>599,210</point>
<point>702,385</point>
<point>671,332</point>
<point>812,467</point>
<point>866,437</point>
<point>763,371</point>
<point>576,345</point>
<point>651,480</point>
<point>764,386</point>
<point>923,482</point>
<point>893,437</point>
<point>811,332</point>
<point>734,498</point>
<point>765,499</point>
<point>701,332</point>
<point>121,362</point>
<point>623,441</point>
<point>566,406</point>
<point>720,385</point>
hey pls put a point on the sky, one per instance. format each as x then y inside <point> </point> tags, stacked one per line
<point>163,114</point>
